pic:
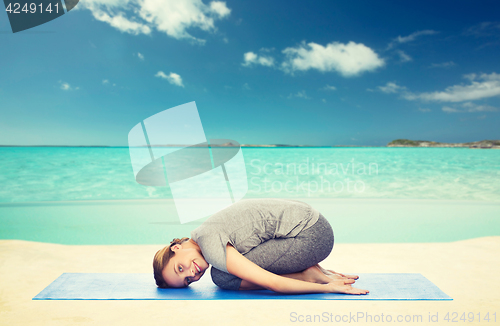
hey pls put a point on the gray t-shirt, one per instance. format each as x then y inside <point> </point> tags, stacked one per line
<point>250,222</point>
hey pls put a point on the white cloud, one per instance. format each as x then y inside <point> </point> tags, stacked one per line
<point>424,110</point>
<point>220,8</point>
<point>470,107</point>
<point>480,87</point>
<point>470,77</point>
<point>405,39</point>
<point>443,65</point>
<point>172,17</point>
<point>413,36</point>
<point>67,87</point>
<point>140,56</point>
<point>447,109</point>
<point>348,59</point>
<point>173,78</point>
<point>246,87</point>
<point>251,58</point>
<point>301,94</point>
<point>484,29</point>
<point>403,56</point>
<point>106,82</point>
<point>267,49</point>
<point>391,88</point>
<point>121,23</point>
<point>329,88</point>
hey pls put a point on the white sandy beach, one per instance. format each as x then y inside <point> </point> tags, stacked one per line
<point>465,270</point>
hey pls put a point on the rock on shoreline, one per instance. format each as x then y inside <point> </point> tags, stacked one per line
<point>426,143</point>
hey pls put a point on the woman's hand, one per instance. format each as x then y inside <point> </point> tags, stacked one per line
<point>344,286</point>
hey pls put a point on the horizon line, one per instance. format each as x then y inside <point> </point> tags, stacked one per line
<point>242,145</point>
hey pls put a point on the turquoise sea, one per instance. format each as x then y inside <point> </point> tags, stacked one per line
<point>85,195</point>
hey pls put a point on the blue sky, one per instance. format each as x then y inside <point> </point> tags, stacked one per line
<point>281,72</point>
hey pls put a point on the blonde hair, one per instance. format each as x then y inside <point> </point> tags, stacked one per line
<point>161,259</point>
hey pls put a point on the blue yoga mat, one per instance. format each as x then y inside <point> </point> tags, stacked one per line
<point>97,286</point>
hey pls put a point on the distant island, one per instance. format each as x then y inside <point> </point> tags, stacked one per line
<point>394,143</point>
<point>427,143</point>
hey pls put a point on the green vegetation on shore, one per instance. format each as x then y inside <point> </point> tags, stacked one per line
<point>427,143</point>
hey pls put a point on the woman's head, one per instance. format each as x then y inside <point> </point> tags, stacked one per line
<point>178,264</point>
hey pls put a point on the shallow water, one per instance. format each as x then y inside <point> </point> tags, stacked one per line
<point>62,174</point>
<point>369,195</point>
<point>156,222</point>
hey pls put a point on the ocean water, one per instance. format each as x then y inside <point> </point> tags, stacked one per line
<point>369,195</point>
<point>67,174</point>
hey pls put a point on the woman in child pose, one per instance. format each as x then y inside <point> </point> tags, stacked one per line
<point>273,244</point>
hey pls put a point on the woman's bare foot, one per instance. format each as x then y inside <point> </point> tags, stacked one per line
<point>334,275</point>
<point>314,274</point>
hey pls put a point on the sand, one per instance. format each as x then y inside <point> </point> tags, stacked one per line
<point>465,270</point>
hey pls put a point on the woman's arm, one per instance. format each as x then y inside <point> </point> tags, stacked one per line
<point>256,276</point>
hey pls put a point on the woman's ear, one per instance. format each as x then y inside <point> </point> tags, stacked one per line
<point>176,247</point>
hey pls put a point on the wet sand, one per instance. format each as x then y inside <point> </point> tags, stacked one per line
<point>465,270</point>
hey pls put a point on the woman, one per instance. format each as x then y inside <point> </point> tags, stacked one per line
<point>273,244</point>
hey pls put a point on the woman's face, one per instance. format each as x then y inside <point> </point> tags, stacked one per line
<point>185,267</point>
